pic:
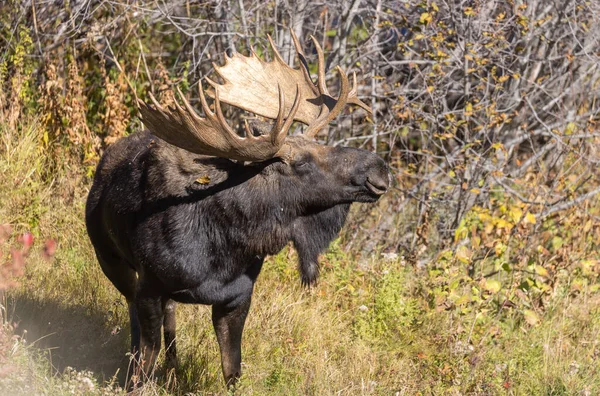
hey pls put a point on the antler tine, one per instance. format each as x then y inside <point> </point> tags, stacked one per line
<point>277,125</point>
<point>327,117</point>
<point>353,96</point>
<point>276,130</point>
<point>207,111</point>
<point>276,53</point>
<point>229,133</point>
<point>302,60</point>
<point>155,102</point>
<point>187,105</point>
<point>295,106</point>
<point>321,68</point>
<point>280,136</point>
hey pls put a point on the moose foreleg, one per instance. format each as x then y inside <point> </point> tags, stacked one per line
<point>229,324</point>
<point>169,326</point>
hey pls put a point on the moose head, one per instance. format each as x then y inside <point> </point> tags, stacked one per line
<point>276,91</point>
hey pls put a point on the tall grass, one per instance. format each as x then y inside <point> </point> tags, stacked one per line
<point>370,327</point>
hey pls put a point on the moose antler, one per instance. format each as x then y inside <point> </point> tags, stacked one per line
<point>251,83</point>
<point>260,87</point>
<point>211,135</point>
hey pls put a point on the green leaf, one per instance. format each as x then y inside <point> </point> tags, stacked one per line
<point>492,285</point>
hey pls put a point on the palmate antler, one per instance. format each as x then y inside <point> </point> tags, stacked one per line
<point>250,84</point>
<point>183,127</point>
<point>264,88</point>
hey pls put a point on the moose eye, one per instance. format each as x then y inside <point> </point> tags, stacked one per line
<point>302,161</point>
<point>303,164</point>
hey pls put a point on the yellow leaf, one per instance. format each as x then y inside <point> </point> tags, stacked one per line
<point>529,218</point>
<point>463,254</point>
<point>468,109</point>
<point>523,21</point>
<point>462,300</point>
<point>203,179</point>
<point>503,224</point>
<point>531,317</point>
<point>541,271</point>
<point>425,18</point>
<point>571,127</point>
<point>515,214</point>
<point>469,11</point>
<point>499,248</point>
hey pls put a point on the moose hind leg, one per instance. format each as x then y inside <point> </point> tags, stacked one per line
<point>133,368</point>
<point>169,326</point>
<point>135,328</point>
<point>228,324</point>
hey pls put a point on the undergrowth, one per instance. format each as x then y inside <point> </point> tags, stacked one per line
<point>374,325</point>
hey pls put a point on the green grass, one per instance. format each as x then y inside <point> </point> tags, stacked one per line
<point>372,328</point>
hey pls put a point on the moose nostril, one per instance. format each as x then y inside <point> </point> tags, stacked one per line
<point>377,184</point>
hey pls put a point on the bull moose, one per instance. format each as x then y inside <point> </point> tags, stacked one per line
<point>187,210</point>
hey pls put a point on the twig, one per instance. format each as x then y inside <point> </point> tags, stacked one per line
<point>569,204</point>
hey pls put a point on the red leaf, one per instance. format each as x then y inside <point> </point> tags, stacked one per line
<point>49,248</point>
<point>27,240</point>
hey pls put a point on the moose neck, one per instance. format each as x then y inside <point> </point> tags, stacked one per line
<point>259,200</point>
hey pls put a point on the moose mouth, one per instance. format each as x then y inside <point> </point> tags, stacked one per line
<point>376,190</point>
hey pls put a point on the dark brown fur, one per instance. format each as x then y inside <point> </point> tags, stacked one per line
<point>168,225</point>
